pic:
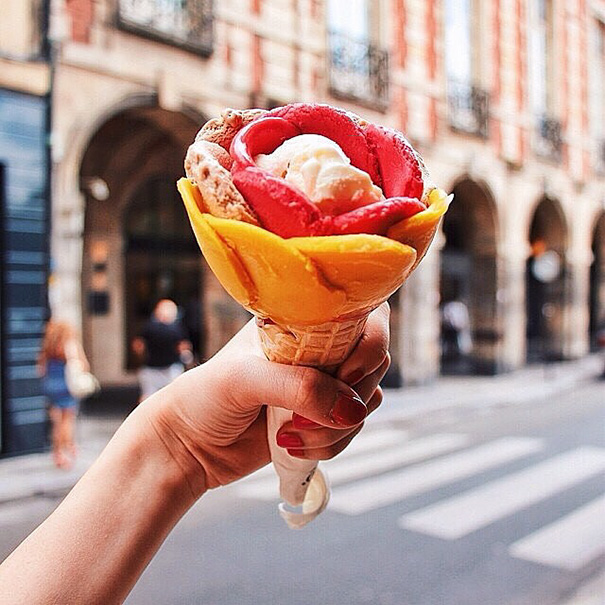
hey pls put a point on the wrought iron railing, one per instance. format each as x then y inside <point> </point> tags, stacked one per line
<point>359,70</point>
<point>184,23</point>
<point>549,138</point>
<point>468,108</point>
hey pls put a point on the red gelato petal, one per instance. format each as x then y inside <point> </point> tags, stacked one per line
<point>376,218</point>
<point>400,170</point>
<point>263,135</point>
<point>335,124</point>
<point>281,208</point>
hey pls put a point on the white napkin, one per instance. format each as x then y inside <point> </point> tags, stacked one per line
<point>302,485</point>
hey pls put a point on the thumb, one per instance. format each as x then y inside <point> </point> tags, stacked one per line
<point>306,391</point>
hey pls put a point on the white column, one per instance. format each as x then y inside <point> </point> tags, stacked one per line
<point>419,326</point>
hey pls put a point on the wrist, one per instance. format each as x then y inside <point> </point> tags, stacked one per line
<point>179,467</point>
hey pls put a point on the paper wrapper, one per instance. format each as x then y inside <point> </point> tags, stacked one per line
<point>301,483</point>
<point>303,285</point>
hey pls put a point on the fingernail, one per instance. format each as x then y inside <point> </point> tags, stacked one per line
<point>300,422</point>
<point>289,440</point>
<point>297,453</point>
<point>348,410</point>
<point>354,377</point>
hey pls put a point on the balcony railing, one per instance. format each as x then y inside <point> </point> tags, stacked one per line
<point>468,108</point>
<point>549,138</point>
<point>184,23</point>
<point>358,70</point>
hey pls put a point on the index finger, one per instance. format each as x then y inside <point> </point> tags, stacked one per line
<point>371,350</point>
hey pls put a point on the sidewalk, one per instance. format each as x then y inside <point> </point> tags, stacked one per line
<point>474,392</point>
<point>35,475</point>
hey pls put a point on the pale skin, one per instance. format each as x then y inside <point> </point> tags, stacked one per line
<point>202,431</point>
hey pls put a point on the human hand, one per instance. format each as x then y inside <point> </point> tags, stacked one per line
<point>212,419</point>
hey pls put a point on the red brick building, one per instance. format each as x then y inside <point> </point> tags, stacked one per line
<point>504,99</point>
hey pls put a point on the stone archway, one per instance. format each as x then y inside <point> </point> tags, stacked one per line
<point>546,279</point>
<point>597,284</point>
<point>136,153</point>
<point>468,283</point>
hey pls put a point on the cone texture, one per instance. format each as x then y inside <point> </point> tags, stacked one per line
<point>323,346</point>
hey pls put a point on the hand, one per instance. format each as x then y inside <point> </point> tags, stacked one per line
<point>214,423</point>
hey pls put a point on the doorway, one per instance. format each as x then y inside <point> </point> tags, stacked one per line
<point>597,286</point>
<point>546,275</point>
<point>468,283</point>
<point>162,260</point>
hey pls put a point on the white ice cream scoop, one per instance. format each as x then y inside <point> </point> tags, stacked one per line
<point>318,166</point>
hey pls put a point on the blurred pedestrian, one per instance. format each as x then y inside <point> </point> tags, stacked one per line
<point>59,346</point>
<point>456,329</point>
<point>163,347</point>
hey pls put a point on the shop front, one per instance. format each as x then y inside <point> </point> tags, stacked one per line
<point>24,268</point>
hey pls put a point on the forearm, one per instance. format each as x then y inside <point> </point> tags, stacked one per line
<point>94,547</point>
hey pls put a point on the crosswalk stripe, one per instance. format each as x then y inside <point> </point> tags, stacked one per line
<point>373,440</point>
<point>347,468</point>
<point>472,510</point>
<point>570,543</point>
<point>389,488</point>
<point>343,470</point>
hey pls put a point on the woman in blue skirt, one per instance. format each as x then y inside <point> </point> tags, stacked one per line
<point>59,345</point>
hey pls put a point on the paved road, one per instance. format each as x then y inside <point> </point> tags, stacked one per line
<point>500,504</point>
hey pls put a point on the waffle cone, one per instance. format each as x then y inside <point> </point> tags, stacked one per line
<point>323,346</point>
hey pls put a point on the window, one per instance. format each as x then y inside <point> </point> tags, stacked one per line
<point>185,23</point>
<point>358,68</point>
<point>548,139</point>
<point>597,91</point>
<point>467,101</point>
<point>540,61</point>
<point>458,47</point>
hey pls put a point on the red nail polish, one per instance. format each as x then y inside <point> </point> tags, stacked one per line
<point>354,377</point>
<point>348,410</point>
<point>289,440</point>
<point>296,453</point>
<point>300,422</point>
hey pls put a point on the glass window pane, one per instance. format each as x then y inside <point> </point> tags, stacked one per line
<point>458,51</point>
<point>349,17</point>
<point>537,59</point>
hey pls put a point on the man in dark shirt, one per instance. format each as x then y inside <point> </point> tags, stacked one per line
<point>162,345</point>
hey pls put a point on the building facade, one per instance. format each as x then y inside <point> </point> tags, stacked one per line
<point>503,98</point>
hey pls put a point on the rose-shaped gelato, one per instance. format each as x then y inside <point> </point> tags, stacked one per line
<point>301,252</point>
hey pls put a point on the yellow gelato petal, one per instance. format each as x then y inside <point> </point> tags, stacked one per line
<point>369,268</point>
<point>222,260</point>
<point>309,280</point>
<point>419,230</point>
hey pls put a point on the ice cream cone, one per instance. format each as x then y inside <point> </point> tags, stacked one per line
<point>323,346</point>
<point>310,278</point>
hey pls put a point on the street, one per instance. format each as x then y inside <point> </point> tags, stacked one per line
<point>501,504</point>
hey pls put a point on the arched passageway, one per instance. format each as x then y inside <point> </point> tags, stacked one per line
<point>161,260</point>
<point>468,282</point>
<point>546,277</point>
<point>138,245</point>
<point>597,284</point>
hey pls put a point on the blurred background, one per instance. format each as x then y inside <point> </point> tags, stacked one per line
<point>99,100</point>
<point>481,479</point>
